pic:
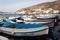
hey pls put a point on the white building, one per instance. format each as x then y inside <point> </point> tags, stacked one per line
<point>22,12</point>
<point>56,11</point>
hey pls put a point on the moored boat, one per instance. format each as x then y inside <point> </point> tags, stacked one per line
<point>39,21</point>
<point>46,16</point>
<point>30,21</point>
<point>26,31</point>
<point>23,29</point>
<point>27,26</point>
<point>3,38</point>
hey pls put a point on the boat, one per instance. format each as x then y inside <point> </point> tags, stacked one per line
<point>23,29</point>
<point>11,18</point>
<point>32,21</point>
<point>38,21</point>
<point>26,27</point>
<point>3,38</point>
<point>19,20</point>
<point>26,30</point>
<point>6,24</point>
<point>46,16</point>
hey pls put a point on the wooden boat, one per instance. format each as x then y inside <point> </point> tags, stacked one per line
<point>29,27</point>
<point>3,38</point>
<point>46,16</point>
<point>23,29</point>
<point>26,31</point>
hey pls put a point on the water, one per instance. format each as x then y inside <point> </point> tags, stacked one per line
<point>8,15</point>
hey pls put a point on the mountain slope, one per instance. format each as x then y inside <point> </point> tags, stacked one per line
<point>55,5</point>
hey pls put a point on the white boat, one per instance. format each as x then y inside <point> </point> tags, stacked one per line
<point>12,17</point>
<point>26,32</point>
<point>26,17</point>
<point>3,38</point>
<point>38,21</point>
<point>43,16</point>
<point>28,20</point>
<point>25,29</point>
<point>57,14</point>
<point>30,27</point>
<point>19,20</point>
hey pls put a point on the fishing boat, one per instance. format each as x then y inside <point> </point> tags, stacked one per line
<point>11,18</point>
<point>26,30</point>
<point>32,21</point>
<point>26,27</point>
<point>19,20</point>
<point>38,21</point>
<point>5,23</point>
<point>46,16</point>
<point>3,38</point>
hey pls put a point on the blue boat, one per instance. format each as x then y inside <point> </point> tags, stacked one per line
<point>6,24</point>
<point>1,23</point>
<point>25,29</point>
<point>28,25</point>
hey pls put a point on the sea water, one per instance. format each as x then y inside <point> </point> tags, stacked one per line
<point>8,15</point>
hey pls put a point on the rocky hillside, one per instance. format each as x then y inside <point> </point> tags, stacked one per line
<point>46,5</point>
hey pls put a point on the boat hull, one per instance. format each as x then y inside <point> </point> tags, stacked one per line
<point>40,21</point>
<point>47,16</point>
<point>3,38</point>
<point>25,32</point>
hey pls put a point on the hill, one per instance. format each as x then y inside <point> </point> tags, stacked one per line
<point>54,5</point>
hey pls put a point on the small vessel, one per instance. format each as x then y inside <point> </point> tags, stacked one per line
<point>46,16</point>
<point>26,31</point>
<point>27,26</point>
<point>11,18</point>
<point>31,21</point>
<point>5,23</point>
<point>3,38</point>
<point>19,20</point>
<point>39,21</point>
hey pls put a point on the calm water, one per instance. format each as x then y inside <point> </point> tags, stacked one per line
<point>8,15</point>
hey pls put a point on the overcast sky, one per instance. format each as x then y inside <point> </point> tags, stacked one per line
<point>13,5</point>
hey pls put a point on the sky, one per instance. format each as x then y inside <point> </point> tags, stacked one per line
<point>14,5</point>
